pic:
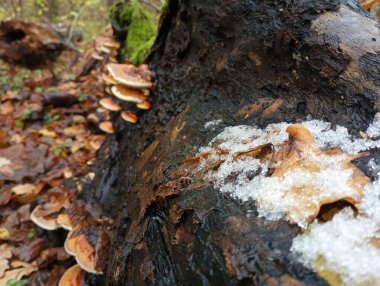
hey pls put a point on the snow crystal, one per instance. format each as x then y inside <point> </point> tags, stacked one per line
<point>373,130</point>
<point>347,243</point>
<point>237,138</point>
<point>212,124</point>
<point>274,195</point>
<point>246,178</point>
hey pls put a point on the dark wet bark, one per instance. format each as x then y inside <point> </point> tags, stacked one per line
<point>29,44</point>
<point>215,59</point>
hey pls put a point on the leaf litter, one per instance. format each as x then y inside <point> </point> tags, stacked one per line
<point>48,136</point>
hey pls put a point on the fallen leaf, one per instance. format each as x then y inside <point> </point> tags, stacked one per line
<point>5,195</point>
<point>47,133</point>
<point>5,255</point>
<point>300,154</point>
<point>24,189</point>
<point>19,270</point>
<point>4,233</point>
<point>6,108</point>
<point>27,160</point>
<point>30,251</point>
<point>74,130</point>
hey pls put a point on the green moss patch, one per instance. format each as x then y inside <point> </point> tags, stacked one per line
<point>141,27</point>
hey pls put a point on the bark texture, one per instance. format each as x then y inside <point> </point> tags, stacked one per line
<point>245,62</point>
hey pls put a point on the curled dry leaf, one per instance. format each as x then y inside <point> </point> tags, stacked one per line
<point>18,270</point>
<point>5,255</point>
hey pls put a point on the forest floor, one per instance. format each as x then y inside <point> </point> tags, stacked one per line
<point>49,136</point>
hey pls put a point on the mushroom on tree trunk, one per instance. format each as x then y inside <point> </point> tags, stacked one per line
<point>245,62</point>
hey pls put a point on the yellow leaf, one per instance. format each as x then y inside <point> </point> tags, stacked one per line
<point>74,130</point>
<point>47,133</point>
<point>331,277</point>
<point>4,233</point>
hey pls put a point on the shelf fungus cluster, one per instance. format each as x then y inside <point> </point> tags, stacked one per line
<point>87,238</point>
<point>127,86</point>
<point>105,49</point>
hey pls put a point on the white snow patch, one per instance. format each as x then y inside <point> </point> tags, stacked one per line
<point>273,193</point>
<point>348,244</point>
<point>212,124</point>
<point>249,180</point>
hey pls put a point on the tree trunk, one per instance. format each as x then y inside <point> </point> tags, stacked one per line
<point>214,59</point>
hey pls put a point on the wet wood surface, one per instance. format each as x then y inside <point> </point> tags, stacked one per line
<point>244,62</point>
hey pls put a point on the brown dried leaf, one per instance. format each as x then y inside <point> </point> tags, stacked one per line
<point>6,108</point>
<point>24,189</point>
<point>19,270</point>
<point>5,255</point>
<point>299,153</point>
<point>21,161</point>
<point>30,251</point>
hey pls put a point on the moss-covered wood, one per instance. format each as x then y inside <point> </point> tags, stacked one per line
<point>139,27</point>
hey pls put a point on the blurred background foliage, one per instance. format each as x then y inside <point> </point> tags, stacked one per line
<point>137,20</point>
<point>87,16</point>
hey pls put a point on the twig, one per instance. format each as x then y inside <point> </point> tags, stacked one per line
<point>152,5</point>
<point>77,16</point>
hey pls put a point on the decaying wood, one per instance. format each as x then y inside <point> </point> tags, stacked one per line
<point>245,62</point>
<point>29,44</point>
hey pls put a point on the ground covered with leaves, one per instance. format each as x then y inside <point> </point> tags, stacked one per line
<point>49,136</point>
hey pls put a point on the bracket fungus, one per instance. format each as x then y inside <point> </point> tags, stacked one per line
<point>127,94</point>
<point>131,76</point>
<point>126,82</point>
<point>87,239</point>
<point>109,104</point>
<point>87,243</point>
<point>129,116</point>
<point>107,127</point>
<point>129,84</point>
<point>74,276</point>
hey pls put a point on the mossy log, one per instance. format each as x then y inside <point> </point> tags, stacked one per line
<point>216,59</point>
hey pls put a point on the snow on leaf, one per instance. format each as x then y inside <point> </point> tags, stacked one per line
<point>299,159</point>
<point>282,168</point>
